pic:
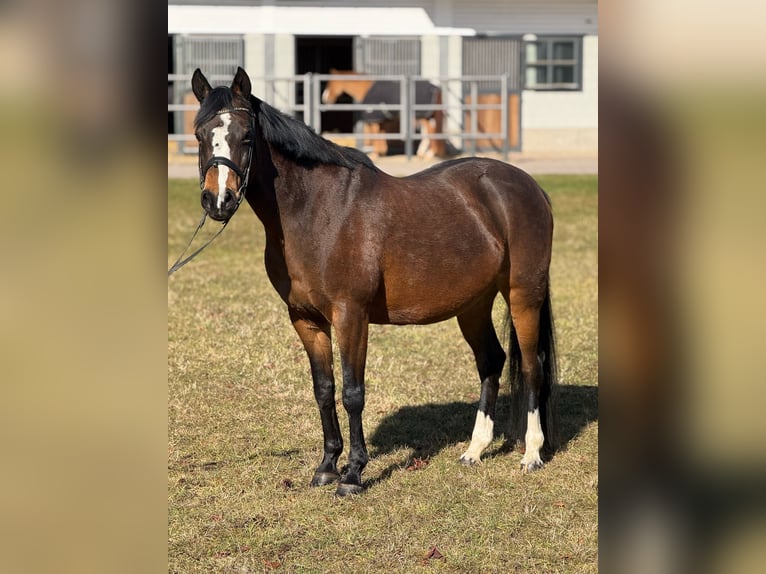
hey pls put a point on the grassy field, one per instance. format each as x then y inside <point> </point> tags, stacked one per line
<point>244,432</point>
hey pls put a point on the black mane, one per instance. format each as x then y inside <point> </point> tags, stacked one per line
<point>218,99</point>
<point>299,142</point>
<point>291,137</point>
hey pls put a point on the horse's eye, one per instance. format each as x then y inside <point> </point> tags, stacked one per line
<point>199,139</point>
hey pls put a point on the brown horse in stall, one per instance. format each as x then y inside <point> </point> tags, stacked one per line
<point>348,245</point>
<point>373,92</point>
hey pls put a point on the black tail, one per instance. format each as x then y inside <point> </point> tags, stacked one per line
<point>546,347</point>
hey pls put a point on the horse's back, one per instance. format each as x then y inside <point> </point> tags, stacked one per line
<point>496,185</point>
<point>449,235</point>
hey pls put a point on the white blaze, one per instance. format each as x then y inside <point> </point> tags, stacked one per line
<point>221,148</point>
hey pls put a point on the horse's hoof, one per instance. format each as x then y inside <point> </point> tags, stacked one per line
<point>324,478</point>
<point>348,489</point>
<point>468,461</point>
<point>531,466</point>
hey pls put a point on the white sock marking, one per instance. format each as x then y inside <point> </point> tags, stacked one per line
<point>481,437</point>
<point>533,439</point>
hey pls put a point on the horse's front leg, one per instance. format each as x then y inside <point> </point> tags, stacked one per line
<point>425,141</point>
<point>317,340</point>
<point>351,326</point>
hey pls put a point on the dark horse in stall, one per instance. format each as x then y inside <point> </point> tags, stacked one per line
<point>348,245</point>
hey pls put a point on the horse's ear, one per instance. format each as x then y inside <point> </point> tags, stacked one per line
<point>241,83</point>
<point>200,85</point>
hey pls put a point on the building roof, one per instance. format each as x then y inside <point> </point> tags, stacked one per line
<point>306,20</point>
<point>382,17</point>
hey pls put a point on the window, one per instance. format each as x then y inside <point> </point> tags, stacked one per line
<point>553,64</point>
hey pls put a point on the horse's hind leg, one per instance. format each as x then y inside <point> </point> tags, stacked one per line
<point>316,339</point>
<point>525,313</point>
<point>478,330</point>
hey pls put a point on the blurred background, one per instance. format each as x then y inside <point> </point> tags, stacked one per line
<point>83,400</point>
<point>681,125</point>
<point>511,75</point>
<point>82,295</point>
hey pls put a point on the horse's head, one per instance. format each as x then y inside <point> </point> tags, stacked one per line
<point>225,129</point>
<point>335,87</point>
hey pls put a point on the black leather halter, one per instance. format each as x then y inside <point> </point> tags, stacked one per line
<point>217,160</point>
<point>244,176</point>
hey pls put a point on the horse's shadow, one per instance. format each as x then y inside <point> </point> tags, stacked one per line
<point>428,429</point>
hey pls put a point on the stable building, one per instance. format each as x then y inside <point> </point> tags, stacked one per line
<point>547,49</point>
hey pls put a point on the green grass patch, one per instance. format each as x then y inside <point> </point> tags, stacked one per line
<point>244,431</point>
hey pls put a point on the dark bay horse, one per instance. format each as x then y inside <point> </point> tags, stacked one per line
<point>348,245</point>
<point>366,91</point>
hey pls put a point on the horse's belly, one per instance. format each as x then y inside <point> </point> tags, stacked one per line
<point>429,294</point>
<point>418,313</point>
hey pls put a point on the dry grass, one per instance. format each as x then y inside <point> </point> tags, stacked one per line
<point>245,436</point>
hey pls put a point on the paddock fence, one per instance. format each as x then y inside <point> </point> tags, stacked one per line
<point>481,112</point>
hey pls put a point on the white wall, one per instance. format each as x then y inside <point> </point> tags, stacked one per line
<point>525,16</point>
<point>564,121</point>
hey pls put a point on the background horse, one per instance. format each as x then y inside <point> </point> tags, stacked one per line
<point>348,245</point>
<point>380,121</point>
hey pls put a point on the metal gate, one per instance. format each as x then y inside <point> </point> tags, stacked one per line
<point>219,56</point>
<point>387,56</point>
<point>495,56</point>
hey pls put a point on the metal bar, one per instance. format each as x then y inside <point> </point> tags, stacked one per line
<point>378,136</point>
<point>398,136</point>
<point>518,128</point>
<point>315,113</point>
<point>405,121</point>
<point>504,113</point>
<point>382,136</point>
<point>183,107</point>
<point>359,107</point>
<point>474,115</point>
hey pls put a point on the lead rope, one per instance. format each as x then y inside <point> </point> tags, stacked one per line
<point>178,264</point>
<point>243,187</point>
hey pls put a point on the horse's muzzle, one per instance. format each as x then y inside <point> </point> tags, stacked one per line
<point>227,208</point>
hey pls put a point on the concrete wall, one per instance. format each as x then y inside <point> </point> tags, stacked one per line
<point>443,56</point>
<point>269,55</point>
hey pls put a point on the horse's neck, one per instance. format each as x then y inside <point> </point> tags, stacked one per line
<point>279,186</point>
<point>261,193</point>
<point>357,89</point>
